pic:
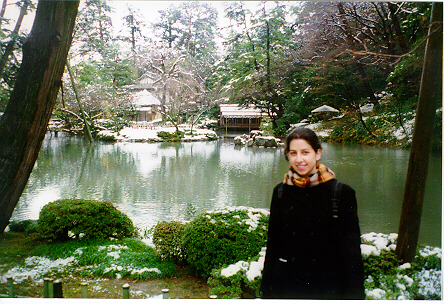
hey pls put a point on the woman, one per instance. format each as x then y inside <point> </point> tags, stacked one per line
<point>313,247</point>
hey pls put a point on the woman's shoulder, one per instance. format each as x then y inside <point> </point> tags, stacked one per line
<point>280,185</point>
<point>278,189</point>
<point>344,186</point>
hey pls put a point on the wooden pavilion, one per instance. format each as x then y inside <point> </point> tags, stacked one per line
<point>233,116</point>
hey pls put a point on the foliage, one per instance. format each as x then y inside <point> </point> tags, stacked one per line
<point>167,237</point>
<point>116,123</point>
<point>286,58</point>
<point>110,258</point>
<point>12,38</point>
<point>259,58</point>
<point>189,27</point>
<point>167,136</point>
<point>385,127</point>
<point>239,280</point>
<point>93,27</point>
<point>223,237</point>
<point>437,132</point>
<point>83,219</point>
<point>27,226</point>
<point>225,287</point>
<point>403,83</point>
<point>385,277</point>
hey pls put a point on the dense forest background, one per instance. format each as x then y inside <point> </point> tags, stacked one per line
<point>287,58</point>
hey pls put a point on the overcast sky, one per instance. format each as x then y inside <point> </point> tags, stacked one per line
<point>149,9</point>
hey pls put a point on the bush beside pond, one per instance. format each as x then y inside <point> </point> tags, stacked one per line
<point>87,219</point>
<point>167,237</point>
<point>223,237</point>
<point>27,226</point>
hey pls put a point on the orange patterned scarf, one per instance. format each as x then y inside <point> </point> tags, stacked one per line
<point>322,175</point>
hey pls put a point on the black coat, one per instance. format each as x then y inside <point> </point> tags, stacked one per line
<point>310,254</point>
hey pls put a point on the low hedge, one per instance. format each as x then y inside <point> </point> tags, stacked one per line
<point>87,219</point>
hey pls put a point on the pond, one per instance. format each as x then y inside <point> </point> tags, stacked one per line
<point>152,182</point>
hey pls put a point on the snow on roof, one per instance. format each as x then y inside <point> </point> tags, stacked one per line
<point>144,98</point>
<point>235,111</point>
<point>324,108</point>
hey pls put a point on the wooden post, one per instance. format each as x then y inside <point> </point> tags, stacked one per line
<point>50,288</point>
<point>430,94</point>
<point>57,289</point>
<point>165,293</point>
<point>46,287</point>
<point>10,286</point>
<point>126,293</point>
<point>84,289</point>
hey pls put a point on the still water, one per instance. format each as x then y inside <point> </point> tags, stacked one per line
<point>152,182</point>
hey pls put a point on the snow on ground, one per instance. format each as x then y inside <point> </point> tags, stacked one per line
<point>150,134</point>
<point>35,267</point>
<point>317,127</point>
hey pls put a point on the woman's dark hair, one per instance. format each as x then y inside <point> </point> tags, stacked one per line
<point>302,133</point>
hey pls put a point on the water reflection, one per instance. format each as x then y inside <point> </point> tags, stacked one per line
<point>167,181</point>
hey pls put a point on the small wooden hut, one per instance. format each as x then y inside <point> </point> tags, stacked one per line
<point>147,105</point>
<point>232,116</point>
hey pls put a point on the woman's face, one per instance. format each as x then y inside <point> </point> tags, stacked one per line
<point>303,157</point>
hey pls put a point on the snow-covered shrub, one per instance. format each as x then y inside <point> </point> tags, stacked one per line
<point>239,280</point>
<point>87,219</point>
<point>224,236</point>
<point>388,279</point>
<point>167,237</point>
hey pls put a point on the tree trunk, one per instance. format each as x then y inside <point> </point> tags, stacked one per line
<point>24,124</point>
<point>2,11</point>
<point>85,120</point>
<point>430,94</point>
<point>397,27</point>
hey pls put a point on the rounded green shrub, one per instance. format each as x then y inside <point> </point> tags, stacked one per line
<point>83,219</point>
<point>167,237</point>
<point>26,226</point>
<point>224,236</point>
<point>167,136</point>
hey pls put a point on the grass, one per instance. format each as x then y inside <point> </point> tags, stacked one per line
<point>105,265</point>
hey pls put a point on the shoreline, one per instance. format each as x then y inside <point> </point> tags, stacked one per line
<point>141,134</point>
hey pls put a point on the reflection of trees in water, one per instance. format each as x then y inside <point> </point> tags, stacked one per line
<point>167,181</point>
